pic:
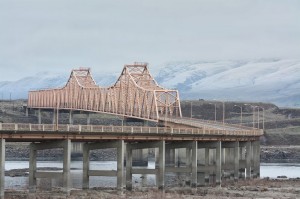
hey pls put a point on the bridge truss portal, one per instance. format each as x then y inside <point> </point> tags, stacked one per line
<point>135,94</point>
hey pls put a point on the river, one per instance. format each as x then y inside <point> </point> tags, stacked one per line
<point>271,170</point>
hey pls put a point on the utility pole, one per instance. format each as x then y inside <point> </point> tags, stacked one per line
<point>191,109</point>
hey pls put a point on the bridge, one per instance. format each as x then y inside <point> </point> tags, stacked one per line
<point>208,150</point>
<point>135,94</point>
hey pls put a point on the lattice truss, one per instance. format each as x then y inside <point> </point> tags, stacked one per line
<point>135,94</point>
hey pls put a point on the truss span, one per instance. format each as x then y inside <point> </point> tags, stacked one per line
<point>135,94</point>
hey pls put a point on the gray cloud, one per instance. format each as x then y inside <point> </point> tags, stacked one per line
<point>60,35</point>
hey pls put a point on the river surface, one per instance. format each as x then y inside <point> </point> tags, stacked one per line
<point>271,170</point>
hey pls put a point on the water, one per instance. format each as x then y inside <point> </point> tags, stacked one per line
<point>76,175</point>
<point>271,170</point>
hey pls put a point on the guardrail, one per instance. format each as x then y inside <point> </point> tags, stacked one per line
<point>207,123</point>
<point>23,127</point>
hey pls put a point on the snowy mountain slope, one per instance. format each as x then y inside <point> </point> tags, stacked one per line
<point>276,81</point>
<point>19,89</point>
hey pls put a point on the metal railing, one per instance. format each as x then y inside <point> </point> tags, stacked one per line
<point>49,128</point>
<point>208,124</point>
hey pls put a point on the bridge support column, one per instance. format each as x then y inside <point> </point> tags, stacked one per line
<point>188,164</point>
<point>206,173</point>
<point>256,158</point>
<point>194,164</point>
<point>242,161</point>
<point>128,167</point>
<point>86,166</point>
<point>71,119</point>
<point>33,174</point>
<point>189,158</point>
<point>248,159</point>
<point>88,118</point>
<point>39,115</point>
<point>32,168</point>
<point>161,168</point>
<point>2,167</point>
<point>119,173</point>
<point>54,118</point>
<point>218,163</point>
<point>66,166</point>
<point>213,162</point>
<point>230,160</point>
<point>26,112</point>
<point>236,160</point>
<point>120,165</point>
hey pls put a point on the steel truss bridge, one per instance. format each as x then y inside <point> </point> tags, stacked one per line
<point>134,95</point>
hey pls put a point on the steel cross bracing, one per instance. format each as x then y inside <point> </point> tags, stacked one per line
<point>135,94</point>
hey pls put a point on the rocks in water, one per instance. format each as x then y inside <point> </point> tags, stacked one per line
<point>282,177</point>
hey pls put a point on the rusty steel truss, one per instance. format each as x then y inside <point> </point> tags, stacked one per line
<point>135,94</point>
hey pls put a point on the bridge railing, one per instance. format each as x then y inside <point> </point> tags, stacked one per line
<point>50,128</point>
<point>206,123</point>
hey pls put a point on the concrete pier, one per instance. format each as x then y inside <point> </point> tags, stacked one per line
<point>2,167</point>
<point>54,118</point>
<point>128,167</point>
<point>71,117</point>
<point>88,118</point>
<point>87,147</point>
<point>256,159</point>
<point>34,174</point>
<point>161,168</point>
<point>194,164</point>
<point>159,171</point>
<point>236,160</point>
<point>205,162</point>
<point>39,115</point>
<point>218,162</point>
<point>248,159</point>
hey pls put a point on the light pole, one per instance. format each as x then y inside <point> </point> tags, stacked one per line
<point>191,109</point>
<point>258,117</point>
<point>215,111</point>
<point>263,109</point>
<point>263,118</point>
<point>241,113</point>
<point>253,113</point>
<point>223,112</point>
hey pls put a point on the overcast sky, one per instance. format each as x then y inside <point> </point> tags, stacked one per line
<point>57,35</point>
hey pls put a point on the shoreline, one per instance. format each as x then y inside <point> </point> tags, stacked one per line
<point>246,189</point>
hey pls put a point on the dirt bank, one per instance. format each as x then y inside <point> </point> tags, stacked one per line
<point>263,188</point>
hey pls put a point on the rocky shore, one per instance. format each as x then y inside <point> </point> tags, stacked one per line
<point>280,154</point>
<point>20,152</point>
<point>248,189</point>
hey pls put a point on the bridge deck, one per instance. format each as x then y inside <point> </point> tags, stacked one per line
<point>40,132</point>
<point>207,124</point>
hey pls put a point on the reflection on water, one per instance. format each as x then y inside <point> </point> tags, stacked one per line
<point>76,175</point>
<point>271,170</point>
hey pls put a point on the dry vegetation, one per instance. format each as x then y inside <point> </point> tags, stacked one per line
<point>264,188</point>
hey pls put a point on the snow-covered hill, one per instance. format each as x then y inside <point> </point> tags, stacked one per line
<point>276,81</point>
